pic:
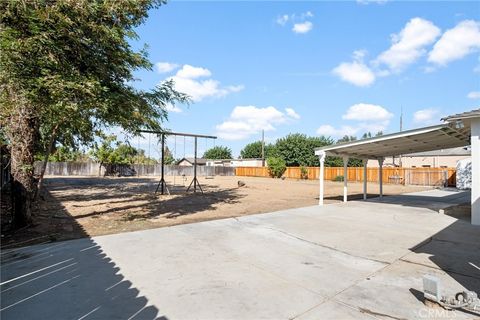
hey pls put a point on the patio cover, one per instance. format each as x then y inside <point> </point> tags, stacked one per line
<point>459,130</point>
<point>437,137</point>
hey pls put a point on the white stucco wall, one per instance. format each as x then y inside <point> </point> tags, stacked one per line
<point>410,162</point>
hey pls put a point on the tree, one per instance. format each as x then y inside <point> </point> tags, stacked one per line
<point>66,72</point>
<point>352,162</point>
<point>254,150</point>
<point>65,154</point>
<point>169,159</point>
<point>276,166</point>
<point>347,138</point>
<point>142,158</point>
<point>367,135</point>
<point>112,151</point>
<point>299,150</point>
<point>218,152</point>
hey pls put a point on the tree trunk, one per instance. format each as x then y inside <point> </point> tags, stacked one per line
<point>45,161</point>
<point>23,133</point>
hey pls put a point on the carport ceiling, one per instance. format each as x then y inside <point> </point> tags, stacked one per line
<point>418,140</point>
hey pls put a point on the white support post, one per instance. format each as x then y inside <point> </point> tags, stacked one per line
<point>475,140</point>
<point>345,178</point>
<point>321,157</point>
<point>365,161</point>
<point>380,176</point>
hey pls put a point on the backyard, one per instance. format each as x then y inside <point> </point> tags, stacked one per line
<point>75,207</point>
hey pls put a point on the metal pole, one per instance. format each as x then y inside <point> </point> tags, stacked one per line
<point>345,178</point>
<point>380,176</point>
<point>163,163</point>
<point>321,157</point>
<point>195,168</point>
<point>365,161</point>
<point>263,148</point>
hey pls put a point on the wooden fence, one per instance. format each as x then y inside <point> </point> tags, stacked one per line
<point>412,176</point>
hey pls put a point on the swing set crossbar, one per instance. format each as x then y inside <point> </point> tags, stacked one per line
<point>169,133</point>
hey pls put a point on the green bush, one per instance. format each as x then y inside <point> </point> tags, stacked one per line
<point>338,178</point>
<point>303,173</point>
<point>276,166</point>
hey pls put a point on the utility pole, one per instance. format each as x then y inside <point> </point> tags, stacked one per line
<point>401,129</point>
<point>263,148</point>
<point>401,118</point>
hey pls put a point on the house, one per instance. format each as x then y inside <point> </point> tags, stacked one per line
<point>445,158</point>
<point>235,163</point>
<point>188,162</point>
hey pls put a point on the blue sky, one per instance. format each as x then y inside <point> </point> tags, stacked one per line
<point>330,68</point>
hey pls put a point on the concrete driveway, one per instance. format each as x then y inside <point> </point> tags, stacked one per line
<point>359,260</point>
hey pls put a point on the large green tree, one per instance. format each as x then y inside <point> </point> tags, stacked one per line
<point>218,152</point>
<point>352,162</point>
<point>298,149</point>
<point>66,73</point>
<point>254,150</point>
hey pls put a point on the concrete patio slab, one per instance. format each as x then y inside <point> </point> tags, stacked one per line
<point>359,260</point>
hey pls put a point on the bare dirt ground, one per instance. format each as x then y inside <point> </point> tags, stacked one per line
<point>74,207</point>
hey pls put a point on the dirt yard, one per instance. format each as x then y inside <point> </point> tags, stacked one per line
<point>74,207</point>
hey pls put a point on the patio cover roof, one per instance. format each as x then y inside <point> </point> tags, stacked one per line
<point>437,137</point>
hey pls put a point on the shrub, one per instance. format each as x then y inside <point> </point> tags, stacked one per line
<point>276,166</point>
<point>303,173</point>
<point>338,178</point>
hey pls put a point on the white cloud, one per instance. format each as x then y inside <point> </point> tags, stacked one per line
<point>426,116</point>
<point>245,121</point>
<point>368,118</point>
<point>173,108</point>
<point>192,72</point>
<point>187,81</point>
<point>456,43</point>
<point>409,44</point>
<point>308,14</point>
<point>299,22</point>
<point>292,113</point>
<point>238,88</point>
<point>474,95</point>
<point>329,131</point>
<point>367,112</point>
<point>283,19</point>
<point>302,27</point>
<point>165,67</point>
<point>356,72</point>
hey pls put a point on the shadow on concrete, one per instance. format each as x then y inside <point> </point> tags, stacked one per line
<point>67,280</point>
<point>451,197</point>
<point>456,249</point>
<point>351,196</point>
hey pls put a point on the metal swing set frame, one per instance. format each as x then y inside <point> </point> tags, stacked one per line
<point>162,184</point>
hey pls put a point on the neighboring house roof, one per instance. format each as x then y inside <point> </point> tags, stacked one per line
<point>200,161</point>
<point>464,115</point>
<point>461,151</point>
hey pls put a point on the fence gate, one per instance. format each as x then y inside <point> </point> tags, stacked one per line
<point>427,178</point>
